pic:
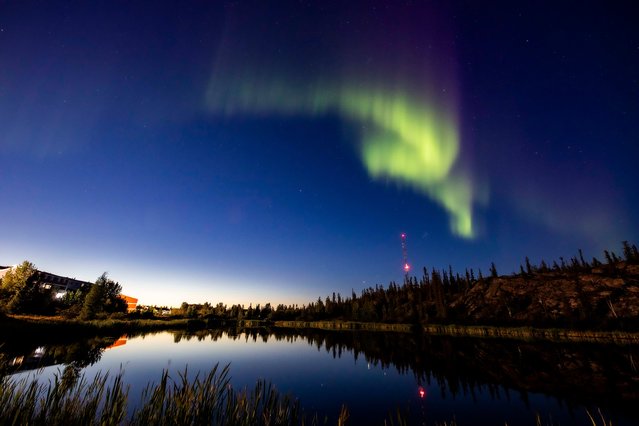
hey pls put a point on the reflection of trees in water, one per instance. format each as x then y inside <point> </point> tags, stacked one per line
<point>582,373</point>
<point>575,372</point>
<point>606,375</point>
<point>76,355</point>
<point>199,335</point>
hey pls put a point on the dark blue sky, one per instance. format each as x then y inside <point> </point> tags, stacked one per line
<point>239,152</point>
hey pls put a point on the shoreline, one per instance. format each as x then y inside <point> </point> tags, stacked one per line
<point>12,327</point>
<point>478,331</point>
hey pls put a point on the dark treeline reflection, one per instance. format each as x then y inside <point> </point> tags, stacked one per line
<point>23,355</point>
<point>16,357</point>
<point>575,374</point>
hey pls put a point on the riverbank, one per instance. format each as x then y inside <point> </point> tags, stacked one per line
<point>15,327</point>
<point>517,333</point>
<point>346,326</point>
<point>531,334</point>
<point>40,327</point>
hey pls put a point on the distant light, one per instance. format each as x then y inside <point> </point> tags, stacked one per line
<point>422,392</point>
<point>406,267</point>
<point>403,235</point>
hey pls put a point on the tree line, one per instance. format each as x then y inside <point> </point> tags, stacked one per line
<point>22,292</point>
<point>416,300</point>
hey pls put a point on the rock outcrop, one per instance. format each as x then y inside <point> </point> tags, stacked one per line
<point>603,296</point>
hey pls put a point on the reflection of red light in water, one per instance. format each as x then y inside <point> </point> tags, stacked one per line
<point>120,342</point>
<point>422,392</point>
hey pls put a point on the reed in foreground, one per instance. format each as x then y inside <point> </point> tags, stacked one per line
<point>70,399</point>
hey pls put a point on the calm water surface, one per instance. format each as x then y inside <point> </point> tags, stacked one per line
<point>434,379</point>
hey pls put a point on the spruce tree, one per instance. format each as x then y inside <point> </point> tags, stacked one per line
<point>493,270</point>
<point>581,257</point>
<point>608,257</point>
<point>528,266</point>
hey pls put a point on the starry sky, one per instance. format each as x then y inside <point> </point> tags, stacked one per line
<point>252,152</point>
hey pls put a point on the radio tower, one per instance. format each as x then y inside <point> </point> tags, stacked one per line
<point>405,253</point>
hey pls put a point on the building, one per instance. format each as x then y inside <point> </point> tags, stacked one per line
<point>131,302</point>
<point>60,285</point>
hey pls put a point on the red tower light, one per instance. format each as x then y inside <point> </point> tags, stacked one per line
<point>405,254</point>
<point>422,392</point>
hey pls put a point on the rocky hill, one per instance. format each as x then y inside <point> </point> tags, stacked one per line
<point>603,296</point>
<point>572,293</point>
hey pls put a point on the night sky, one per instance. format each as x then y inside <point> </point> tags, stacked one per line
<point>241,152</point>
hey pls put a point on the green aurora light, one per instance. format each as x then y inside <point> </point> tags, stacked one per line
<point>393,95</point>
<point>407,141</point>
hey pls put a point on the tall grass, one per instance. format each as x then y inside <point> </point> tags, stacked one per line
<point>210,399</point>
<point>70,399</point>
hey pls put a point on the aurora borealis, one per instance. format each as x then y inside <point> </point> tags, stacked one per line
<point>252,152</point>
<point>408,134</point>
<point>405,141</point>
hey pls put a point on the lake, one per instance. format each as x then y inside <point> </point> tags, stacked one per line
<point>429,378</point>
